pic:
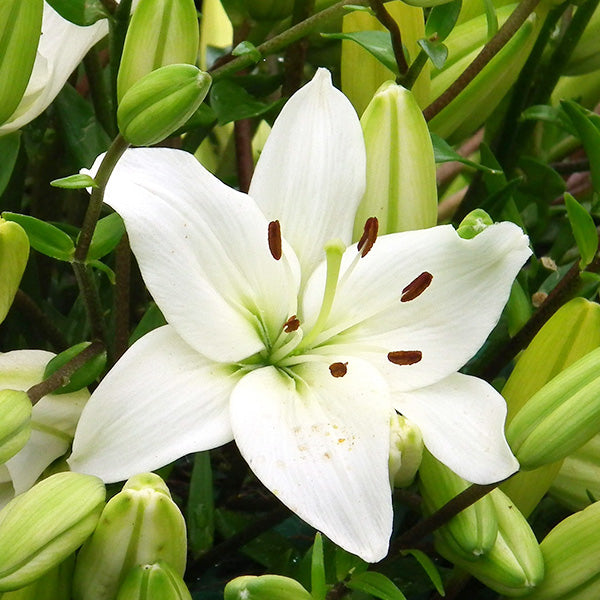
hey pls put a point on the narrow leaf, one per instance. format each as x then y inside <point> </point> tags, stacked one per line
<point>441,20</point>
<point>231,102</point>
<point>491,18</point>
<point>429,568</point>
<point>584,230</point>
<point>436,51</point>
<point>201,507</point>
<point>80,12</point>
<point>9,150</point>
<point>378,43</point>
<point>317,570</point>
<point>377,585</point>
<point>107,235</point>
<point>443,152</point>
<point>78,181</point>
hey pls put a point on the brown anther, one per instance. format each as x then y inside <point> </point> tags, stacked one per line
<point>416,287</point>
<point>338,369</point>
<point>291,324</point>
<point>405,357</point>
<point>369,236</point>
<point>274,236</point>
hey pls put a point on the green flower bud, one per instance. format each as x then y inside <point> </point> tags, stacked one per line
<point>15,422</point>
<point>401,190</point>
<point>20,29</point>
<point>42,526</point>
<point>571,553</point>
<point>140,525</point>
<point>561,417</point>
<point>265,587</point>
<point>161,32</point>
<point>14,252</point>
<point>54,585</point>
<point>152,582</point>
<point>269,10</point>
<point>406,451</point>
<point>513,566</point>
<point>161,102</point>
<point>472,532</point>
<point>474,223</point>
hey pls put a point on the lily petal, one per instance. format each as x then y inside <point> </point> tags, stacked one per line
<point>161,401</point>
<point>311,174</point>
<point>321,445</point>
<point>447,322</point>
<point>204,254</point>
<point>462,422</point>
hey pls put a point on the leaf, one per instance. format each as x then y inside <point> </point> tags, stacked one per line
<point>491,18</point>
<point>78,181</point>
<point>97,264</point>
<point>152,319</point>
<point>44,237</point>
<point>80,12</point>
<point>87,373</point>
<point>107,235</point>
<point>317,570</point>
<point>376,584</point>
<point>444,152</point>
<point>200,511</point>
<point>246,48</point>
<point>232,102</point>
<point>9,151</point>
<point>378,43</point>
<point>549,114</point>
<point>429,568</point>
<point>441,20</point>
<point>584,230</point>
<point>436,51</point>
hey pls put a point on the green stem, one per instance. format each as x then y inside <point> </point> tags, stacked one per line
<point>414,70</point>
<point>117,32</point>
<point>384,17</point>
<point>100,97</point>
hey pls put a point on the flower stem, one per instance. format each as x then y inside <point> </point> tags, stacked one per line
<point>414,70</point>
<point>295,55</point>
<point>98,90</point>
<point>384,17</point>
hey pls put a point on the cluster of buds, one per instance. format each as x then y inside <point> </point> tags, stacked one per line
<point>14,252</point>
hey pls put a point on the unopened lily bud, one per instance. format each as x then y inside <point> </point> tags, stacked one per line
<point>161,32</point>
<point>571,554</point>
<point>269,10</point>
<point>140,525</point>
<point>42,526</point>
<point>15,422</point>
<point>265,587</point>
<point>14,252</point>
<point>406,451</point>
<point>161,102</point>
<point>152,582</point>
<point>20,29</point>
<point>571,333</point>
<point>401,190</point>
<point>474,223</point>
<point>473,531</point>
<point>561,417</point>
<point>513,566</point>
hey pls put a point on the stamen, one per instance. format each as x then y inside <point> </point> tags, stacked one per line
<point>405,357</point>
<point>416,287</point>
<point>291,324</point>
<point>369,236</point>
<point>338,369</point>
<point>274,237</point>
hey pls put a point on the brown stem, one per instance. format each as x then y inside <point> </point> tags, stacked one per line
<point>512,24</point>
<point>242,133</point>
<point>390,24</point>
<point>110,5</point>
<point>63,375</point>
<point>295,55</point>
<point>122,297</point>
<point>91,299</point>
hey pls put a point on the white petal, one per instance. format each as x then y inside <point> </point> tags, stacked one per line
<point>448,322</point>
<point>321,445</point>
<point>203,251</point>
<point>462,422</point>
<point>62,47</point>
<point>311,173</point>
<point>162,400</point>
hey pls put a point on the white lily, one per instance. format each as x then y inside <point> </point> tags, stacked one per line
<point>53,421</point>
<point>289,339</point>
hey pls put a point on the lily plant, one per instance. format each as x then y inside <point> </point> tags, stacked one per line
<point>285,336</point>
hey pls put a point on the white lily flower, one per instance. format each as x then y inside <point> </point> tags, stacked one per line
<point>291,340</point>
<point>53,421</point>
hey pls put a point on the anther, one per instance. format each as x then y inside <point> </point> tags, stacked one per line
<point>291,324</point>
<point>274,237</point>
<point>369,236</point>
<point>416,287</point>
<point>405,357</point>
<point>338,369</point>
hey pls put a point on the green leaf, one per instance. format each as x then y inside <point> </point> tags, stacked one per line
<point>232,102</point>
<point>589,136</point>
<point>584,230</point>
<point>80,12</point>
<point>317,570</point>
<point>200,509</point>
<point>491,18</point>
<point>549,114</point>
<point>87,373</point>
<point>44,237</point>
<point>78,181</point>
<point>441,20</point>
<point>429,568</point>
<point>97,264</point>
<point>152,319</point>
<point>107,235</point>
<point>246,48</point>
<point>377,585</point>
<point>444,152</point>
<point>378,43</point>
<point>9,151</point>
<point>436,51</point>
